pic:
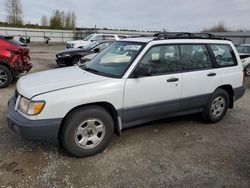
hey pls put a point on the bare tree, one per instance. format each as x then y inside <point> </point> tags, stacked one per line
<point>73,20</point>
<point>220,27</point>
<point>14,11</point>
<point>56,20</point>
<point>63,18</point>
<point>44,21</point>
<point>68,21</point>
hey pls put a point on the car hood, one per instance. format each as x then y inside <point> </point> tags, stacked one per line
<point>57,79</point>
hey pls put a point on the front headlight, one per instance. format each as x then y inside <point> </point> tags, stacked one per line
<point>29,107</point>
<point>65,55</point>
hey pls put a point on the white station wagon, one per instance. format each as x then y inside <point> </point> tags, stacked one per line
<point>131,82</point>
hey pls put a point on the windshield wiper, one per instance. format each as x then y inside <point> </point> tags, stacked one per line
<point>84,67</point>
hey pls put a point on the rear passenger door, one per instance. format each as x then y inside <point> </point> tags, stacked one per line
<point>199,77</point>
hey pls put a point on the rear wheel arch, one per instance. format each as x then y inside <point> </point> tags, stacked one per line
<point>229,89</point>
<point>3,63</point>
<point>105,105</point>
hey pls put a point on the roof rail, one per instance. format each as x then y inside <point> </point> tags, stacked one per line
<point>186,35</point>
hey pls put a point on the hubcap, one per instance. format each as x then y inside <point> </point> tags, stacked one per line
<point>3,77</point>
<point>248,71</point>
<point>90,133</point>
<point>218,106</point>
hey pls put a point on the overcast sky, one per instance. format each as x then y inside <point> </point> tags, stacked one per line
<point>173,15</point>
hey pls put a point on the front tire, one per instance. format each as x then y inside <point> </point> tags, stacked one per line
<point>75,60</point>
<point>6,77</point>
<point>216,107</point>
<point>87,131</point>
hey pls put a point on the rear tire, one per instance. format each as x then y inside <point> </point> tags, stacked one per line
<point>6,77</point>
<point>247,70</point>
<point>216,107</point>
<point>87,131</point>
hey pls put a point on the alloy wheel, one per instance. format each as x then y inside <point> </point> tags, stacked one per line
<point>90,133</point>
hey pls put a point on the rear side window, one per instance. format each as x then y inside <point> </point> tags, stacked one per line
<point>224,55</point>
<point>195,57</point>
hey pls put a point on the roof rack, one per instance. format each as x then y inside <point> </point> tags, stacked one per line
<point>186,35</point>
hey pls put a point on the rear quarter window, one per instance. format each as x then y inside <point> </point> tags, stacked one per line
<point>224,55</point>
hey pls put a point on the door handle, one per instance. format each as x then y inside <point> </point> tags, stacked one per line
<point>211,74</point>
<point>173,80</point>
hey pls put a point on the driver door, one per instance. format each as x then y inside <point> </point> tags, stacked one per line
<point>156,95</point>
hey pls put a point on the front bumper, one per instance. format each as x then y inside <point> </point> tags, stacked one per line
<point>63,61</point>
<point>43,130</point>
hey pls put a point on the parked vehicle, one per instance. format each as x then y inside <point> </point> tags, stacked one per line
<point>133,81</point>
<point>14,60</point>
<point>93,38</point>
<point>71,57</point>
<point>87,58</point>
<point>244,50</point>
<point>246,65</point>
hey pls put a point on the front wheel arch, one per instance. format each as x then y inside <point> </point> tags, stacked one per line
<point>106,105</point>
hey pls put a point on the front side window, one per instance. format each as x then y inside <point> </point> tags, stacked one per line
<point>114,60</point>
<point>98,38</point>
<point>161,60</point>
<point>195,57</point>
<point>88,37</point>
<point>224,57</point>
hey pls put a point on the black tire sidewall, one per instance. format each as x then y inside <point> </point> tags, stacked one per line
<point>74,59</point>
<point>247,68</point>
<point>9,76</point>
<point>72,123</point>
<point>208,114</point>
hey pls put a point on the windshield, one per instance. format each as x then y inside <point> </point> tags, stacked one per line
<point>114,60</point>
<point>243,49</point>
<point>88,37</point>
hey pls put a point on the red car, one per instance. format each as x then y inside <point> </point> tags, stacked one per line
<point>14,60</point>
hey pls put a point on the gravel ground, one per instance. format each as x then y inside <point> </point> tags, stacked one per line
<point>176,152</point>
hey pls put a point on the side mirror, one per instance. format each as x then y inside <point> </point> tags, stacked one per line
<point>141,72</point>
<point>97,50</point>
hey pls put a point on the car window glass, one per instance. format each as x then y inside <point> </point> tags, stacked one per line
<point>102,46</point>
<point>88,37</point>
<point>195,57</point>
<point>224,57</point>
<point>122,36</point>
<point>116,58</point>
<point>98,38</point>
<point>109,37</point>
<point>243,49</point>
<point>161,60</point>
